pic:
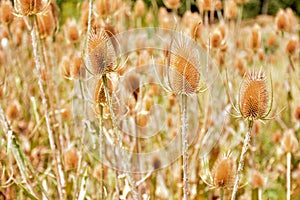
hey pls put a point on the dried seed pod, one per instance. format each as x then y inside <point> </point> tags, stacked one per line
<point>205,5</point>
<point>30,7</point>
<point>281,20</point>
<point>291,46</point>
<point>71,31</point>
<point>289,142</point>
<point>78,69</point>
<point>223,172</point>
<point>139,8</point>
<point>99,93</point>
<point>254,96</point>
<point>142,118</point>
<point>216,39</point>
<point>183,74</point>
<point>101,57</point>
<point>271,40</point>
<point>239,64</point>
<point>132,84</point>
<point>6,15</point>
<point>172,4</point>
<point>46,23</point>
<point>297,113</point>
<point>71,158</point>
<point>255,38</point>
<point>65,68</point>
<point>257,180</point>
<point>231,9</point>
<point>13,111</point>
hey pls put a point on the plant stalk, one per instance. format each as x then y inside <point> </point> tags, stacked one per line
<point>184,145</point>
<point>242,158</point>
<point>288,175</point>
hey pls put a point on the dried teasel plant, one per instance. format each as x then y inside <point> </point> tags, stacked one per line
<point>100,54</point>
<point>30,7</point>
<point>255,103</point>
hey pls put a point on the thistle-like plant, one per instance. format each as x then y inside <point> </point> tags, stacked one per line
<point>254,103</point>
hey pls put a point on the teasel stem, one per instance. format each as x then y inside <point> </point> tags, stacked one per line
<point>37,58</point>
<point>184,141</point>
<point>242,158</point>
<point>119,142</point>
<point>221,193</point>
<point>101,149</point>
<point>288,175</point>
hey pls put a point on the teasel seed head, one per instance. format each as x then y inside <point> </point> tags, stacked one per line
<point>99,93</point>
<point>156,162</point>
<point>142,118</point>
<point>216,39</point>
<point>6,9</point>
<point>291,46</point>
<point>271,40</point>
<point>132,84</point>
<point>172,4</point>
<point>30,7</point>
<point>289,142</point>
<point>78,69</point>
<point>71,158</point>
<point>297,113</point>
<point>183,66</point>
<point>281,20</point>
<point>257,180</point>
<point>231,9</point>
<point>223,172</point>
<point>255,37</point>
<point>71,31</point>
<point>46,23</point>
<point>254,96</point>
<point>239,64</point>
<point>65,67</point>
<point>13,111</point>
<point>205,5</point>
<point>100,55</point>
<point>139,8</point>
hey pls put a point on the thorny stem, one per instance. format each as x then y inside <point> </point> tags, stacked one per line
<point>242,158</point>
<point>37,57</point>
<point>119,142</point>
<point>288,176</point>
<point>101,149</point>
<point>184,145</point>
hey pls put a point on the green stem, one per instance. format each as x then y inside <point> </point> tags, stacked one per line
<point>101,149</point>
<point>288,175</point>
<point>242,158</point>
<point>184,141</point>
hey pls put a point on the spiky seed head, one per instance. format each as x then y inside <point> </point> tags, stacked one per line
<point>205,4</point>
<point>281,20</point>
<point>99,93</point>
<point>277,136</point>
<point>239,64</point>
<point>30,7</point>
<point>139,8</point>
<point>65,67</point>
<point>289,142</point>
<point>291,46</point>
<point>101,57</point>
<point>261,54</point>
<point>71,31</point>
<point>297,113</point>
<point>172,4</point>
<point>223,172</point>
<point>216,39</point>
<point>13,111</point>
<point>257,179</point>
<point>271,40</point>
<point>46,24</point>
<point>142,118</point>
<point>71,158</point>
<point>254,96</point>
<point>6,15</point>
<point>132,84</point>
<point>218,5</point>
<point>255,38</point>
<point>231,9</point>
<point>156,162</point>
<point>78,69</point>
<point>183,63</point>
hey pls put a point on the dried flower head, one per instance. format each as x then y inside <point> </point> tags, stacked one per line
<point>172,4</point>
<point>46,23</point>
<point>183,67</point>
<point>255,37</point>
<point>289,142</point>
<point>142,118</point>
<point>139,8</point>
<point>297,113</point>
<point>13,111</point>
<point>223,172</point>
<point>257,180</point>
<point>99,93</point>
<point>71,31</point>
<point>205,4</point>
<point>71,158</point>
<point>216,39</point>
<point>6,15</point>
<point>30,7</point>
<point>132,84</point>
<point>231,9</point>
<point>281,20</point>
<point>254,96</point>
<point>271,40</point>
<point>101,57</point>
<point>291,46</point>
